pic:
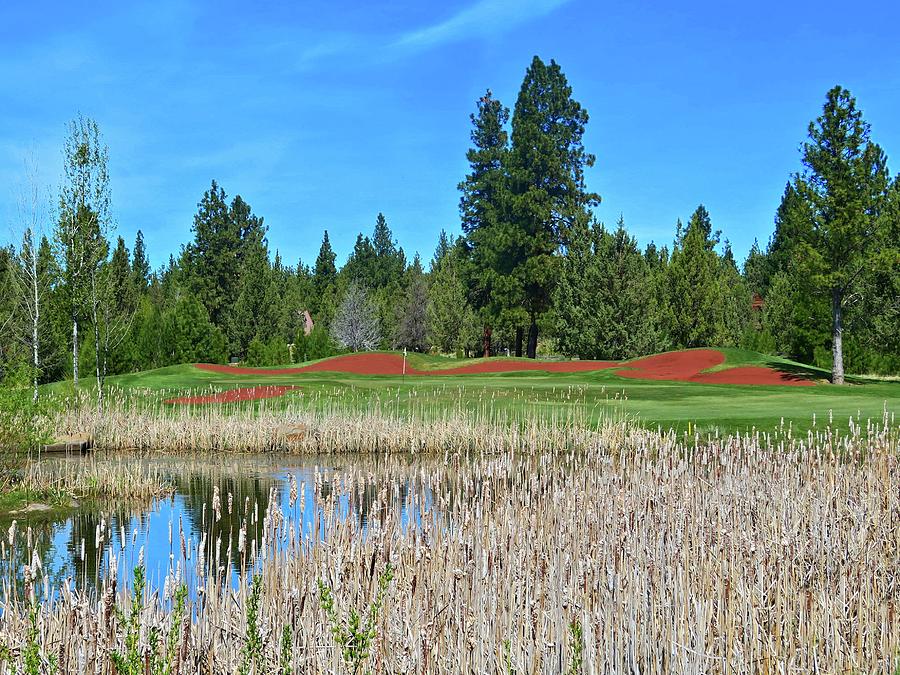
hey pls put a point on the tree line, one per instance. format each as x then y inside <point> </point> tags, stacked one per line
<point>533,270</point>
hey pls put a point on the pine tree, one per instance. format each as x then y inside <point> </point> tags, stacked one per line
<point>210,260</point>
<point>450,319</point>
<point>661,316</point>
<point>56,319</point>
<point>118,311</point>
<point>603,307</point>
<point>546,169</point>
<point>390,261</point>
<point>11,353</point>
<point>484,205</point>
<point>189,335</point>
<point>324,279</point>
<point>412,321</point>
<point>140,264</point>
<point>148,334</point>
<point>845,183</point>
<point>255,312</point>
<point>325,271</point>
<point>756,273</point>
<point>794,317</point>
<point>693,276</point>
<point>361,265</point>
<point>576,318</point>
<point>441,250</point>
<point>734,302</point>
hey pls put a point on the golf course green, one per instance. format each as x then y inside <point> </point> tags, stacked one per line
<point>692,406</point>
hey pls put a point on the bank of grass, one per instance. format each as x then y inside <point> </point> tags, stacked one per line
<point>681,406</point>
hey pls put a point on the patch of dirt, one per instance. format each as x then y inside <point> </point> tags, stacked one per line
<point>683,366</point>
<point>235,395</point>
<point>688,366</point>
<point>392,364</point>
<point>680,366</point>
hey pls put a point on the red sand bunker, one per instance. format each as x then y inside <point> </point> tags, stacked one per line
<point>673,365</point>
<point>392,364</point>
<point>688,366</point>
<point>235,395</point>
<point>683,366</point>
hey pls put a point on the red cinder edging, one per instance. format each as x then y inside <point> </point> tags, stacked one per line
<point>683,366</point>
<point>236,395</point>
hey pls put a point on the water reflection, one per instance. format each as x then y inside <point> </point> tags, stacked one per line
<point>215,516</point>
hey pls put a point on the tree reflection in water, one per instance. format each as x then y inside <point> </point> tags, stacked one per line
<point>76,547</point>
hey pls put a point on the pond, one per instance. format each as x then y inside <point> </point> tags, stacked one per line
<point>215,514</point>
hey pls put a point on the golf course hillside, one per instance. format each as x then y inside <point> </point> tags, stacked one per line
<point>706,389</point>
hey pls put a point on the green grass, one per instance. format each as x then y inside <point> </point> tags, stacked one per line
<point>706,408</point>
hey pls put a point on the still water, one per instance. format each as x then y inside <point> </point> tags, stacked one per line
<point>218,506</point>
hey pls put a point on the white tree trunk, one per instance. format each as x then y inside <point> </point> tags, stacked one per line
<point>75,351</point>
<point>837,334</point>
<point>35,318</point>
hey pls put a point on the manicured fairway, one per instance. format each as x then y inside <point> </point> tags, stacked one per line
<point>705,406</point>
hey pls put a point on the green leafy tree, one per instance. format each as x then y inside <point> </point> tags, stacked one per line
<point>546,169</point>
<point>55,316</point>
<point>845,183</point>
<point>378,264</point>
<point>361,264</point>
<point>880,313</point>
<point>318,344</point>
<point>84,217</point>
<point>257,354</point>
<point>755,270</point>
<point>12,355</point>
<point>147,336</point>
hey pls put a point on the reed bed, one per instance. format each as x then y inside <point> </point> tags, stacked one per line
<point>622,551</point>
<point>382,425</point>
<point>95,477</point>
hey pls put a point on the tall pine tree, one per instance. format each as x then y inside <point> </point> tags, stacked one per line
<point>845,184</point>
<point>693,276</point>
<point>546,169</point>
<point>484,206</point>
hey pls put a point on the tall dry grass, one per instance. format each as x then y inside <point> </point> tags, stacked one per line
<point>617,549</point>
<point>325,426</point>
<point>95,477</point>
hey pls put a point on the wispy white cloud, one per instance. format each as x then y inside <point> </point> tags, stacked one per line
<point>310,56</point>
<point>484,18</point>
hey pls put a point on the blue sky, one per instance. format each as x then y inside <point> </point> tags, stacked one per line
<point>321,114</point>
